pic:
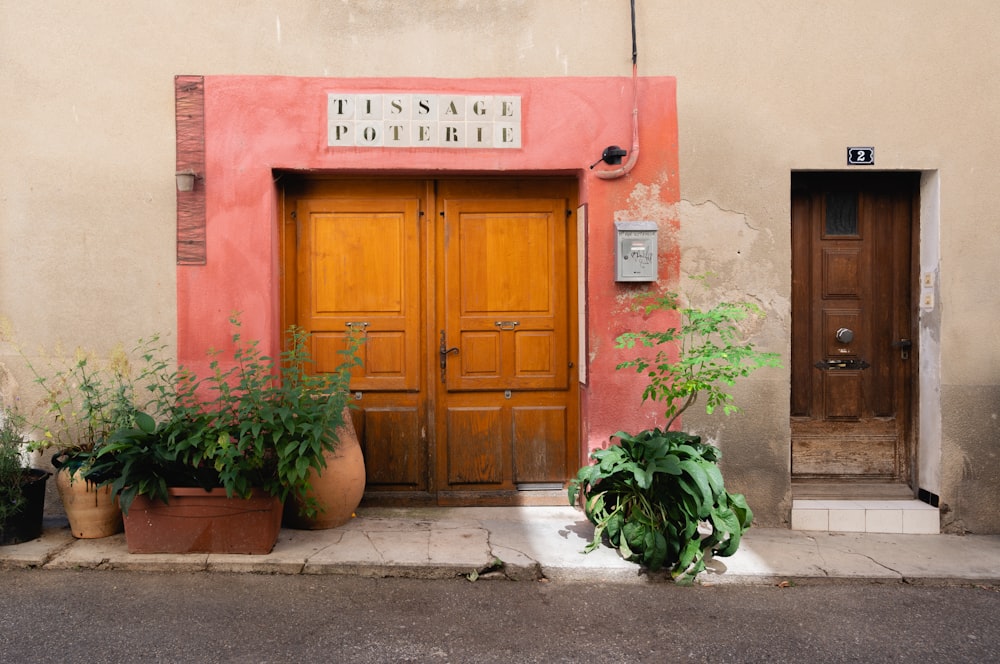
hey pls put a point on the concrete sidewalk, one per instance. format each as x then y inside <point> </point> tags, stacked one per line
<point>525,543</point>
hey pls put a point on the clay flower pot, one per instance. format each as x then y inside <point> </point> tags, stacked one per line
<point>338,489</point>
<point>91,511</point>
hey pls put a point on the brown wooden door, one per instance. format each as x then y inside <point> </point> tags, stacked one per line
<point>478,268</point>
<point>853,360</point>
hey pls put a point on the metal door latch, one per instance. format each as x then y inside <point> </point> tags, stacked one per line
<point>904,346</point>
<point>855,365</point>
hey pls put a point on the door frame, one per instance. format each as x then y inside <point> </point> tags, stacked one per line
<point>296,184</point>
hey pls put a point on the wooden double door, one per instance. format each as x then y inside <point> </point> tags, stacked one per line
<point>853,326</point>
<point>464,291</point>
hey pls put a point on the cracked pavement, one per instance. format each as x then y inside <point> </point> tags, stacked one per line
<point>533,543</point>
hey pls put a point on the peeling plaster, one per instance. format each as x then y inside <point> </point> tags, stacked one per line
<point>717,240</point>
<point>738,252</point>
<point>646,202</point>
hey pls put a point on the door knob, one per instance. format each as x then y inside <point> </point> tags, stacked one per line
<point>844,335</point>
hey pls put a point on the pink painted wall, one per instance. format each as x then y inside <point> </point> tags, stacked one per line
<point>256,124</point>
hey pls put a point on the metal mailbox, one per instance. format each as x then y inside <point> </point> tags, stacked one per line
<point>635,251</point>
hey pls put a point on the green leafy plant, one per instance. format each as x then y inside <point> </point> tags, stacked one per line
<point>253,423</point>
<point>12,470</point>
<point>703,354</point>
<point>85,398</point>
<point>22,488</point>
<point>650,493</point>
<point>658,496</point>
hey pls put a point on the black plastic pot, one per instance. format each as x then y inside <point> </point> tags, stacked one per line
<point>26,525</point>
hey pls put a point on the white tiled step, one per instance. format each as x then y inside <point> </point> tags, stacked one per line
<point>866,516</point>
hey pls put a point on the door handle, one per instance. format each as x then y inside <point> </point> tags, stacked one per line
<point>507,324</point>
<point>444,352</point>
<point>904,346</point>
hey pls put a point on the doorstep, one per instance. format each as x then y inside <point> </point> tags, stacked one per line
<point>910,517</point>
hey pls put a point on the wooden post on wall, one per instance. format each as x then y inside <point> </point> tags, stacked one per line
<point>189,110</point>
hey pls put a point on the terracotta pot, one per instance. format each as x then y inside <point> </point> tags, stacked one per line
<point>338,488</point>
<point>91,511</point>
<point>26,525</point>
<point>199,521</point>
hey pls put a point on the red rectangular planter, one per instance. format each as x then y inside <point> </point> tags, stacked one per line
<point>199,521</point>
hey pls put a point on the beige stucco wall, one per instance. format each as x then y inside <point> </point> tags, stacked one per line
<point>87,158</point>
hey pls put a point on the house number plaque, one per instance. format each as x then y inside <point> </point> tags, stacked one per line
<point>861,156</point>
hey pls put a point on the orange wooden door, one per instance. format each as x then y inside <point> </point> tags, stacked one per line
<point>412,264</point>
<point>853,359</point>
<point>506,415</point>
<point>358,259</point>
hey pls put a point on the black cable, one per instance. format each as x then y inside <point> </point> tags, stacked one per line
<point>635,54</point>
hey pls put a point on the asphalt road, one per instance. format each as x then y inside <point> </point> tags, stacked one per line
<point>114,616</point>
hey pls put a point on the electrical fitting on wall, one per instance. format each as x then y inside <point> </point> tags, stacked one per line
<point>635,251</point>
<point>612,156</point>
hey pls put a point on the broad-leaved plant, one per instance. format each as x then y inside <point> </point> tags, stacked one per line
<point>658,496</point>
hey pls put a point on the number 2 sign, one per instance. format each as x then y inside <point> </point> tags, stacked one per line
<point>861,156</point>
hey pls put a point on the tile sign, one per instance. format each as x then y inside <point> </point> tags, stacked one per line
<point>414,120</point>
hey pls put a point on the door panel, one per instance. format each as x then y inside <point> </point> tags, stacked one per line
<point>476,445</point>
<point>536,459</point>
<point>504,293</point>
<point>478,269</point>
<point>393,446</point>
<point>359,269</point>
<point>852,320</point>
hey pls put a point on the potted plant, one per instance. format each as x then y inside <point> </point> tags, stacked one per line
<point>336,489</point>
<point>22,489</point>
<point>83,400</point>
<point>211,461</point>
<point>658,496</point>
